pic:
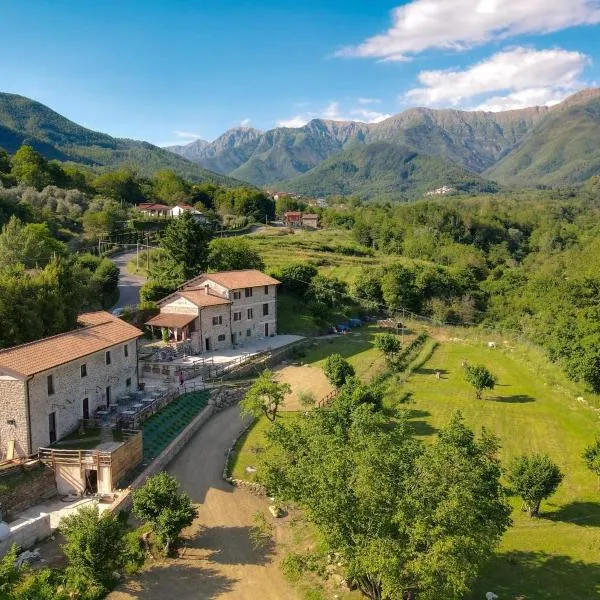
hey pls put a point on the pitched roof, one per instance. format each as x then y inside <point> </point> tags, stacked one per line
<point>241,279</point>
<point>99,330</point>
<point>152,206</point>
<point>201,298</point>
<point>310,216</point>
<point>176,320</point>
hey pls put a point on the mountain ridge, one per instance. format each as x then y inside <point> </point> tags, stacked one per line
<point>26,121</point>
<point>475,140</point>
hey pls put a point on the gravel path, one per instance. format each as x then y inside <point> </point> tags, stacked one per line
<point>219,560</point>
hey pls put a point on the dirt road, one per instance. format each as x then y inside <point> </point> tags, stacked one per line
<point>219,560</point>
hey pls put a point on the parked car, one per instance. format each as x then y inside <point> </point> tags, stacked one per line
<point>355,322</point>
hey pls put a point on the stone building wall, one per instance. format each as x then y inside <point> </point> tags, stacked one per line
<point>13,408</point>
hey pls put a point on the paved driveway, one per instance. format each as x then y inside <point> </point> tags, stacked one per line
<point>129,285</point>
<point>219,560</point>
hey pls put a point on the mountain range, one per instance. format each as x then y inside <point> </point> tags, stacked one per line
<point>25,121</point>
<point>402,157</point>
<point>532,146</point>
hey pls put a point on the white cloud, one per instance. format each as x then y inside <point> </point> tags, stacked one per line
<point>332,112</point>
<point>368,100</point>
<point>297,121</point>
<point>459,24</point>
<point>518,77</point>
<point>245,122</point>
<point>369,116</point>
<point>187,135</point>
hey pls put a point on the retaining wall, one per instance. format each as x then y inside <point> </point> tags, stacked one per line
<point>26,532</point>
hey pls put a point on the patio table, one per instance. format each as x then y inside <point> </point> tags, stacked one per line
<point>128,413</point>
<point>101,413</point>
<point>137,405</point>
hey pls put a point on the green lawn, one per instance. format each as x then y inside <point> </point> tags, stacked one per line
<point>558,554</point>
<point>358,346</point>
<point>252,443</point>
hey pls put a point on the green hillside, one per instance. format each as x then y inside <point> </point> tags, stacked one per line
<point>24,121</point>
<point>563,149</point>
<point>385,171</point>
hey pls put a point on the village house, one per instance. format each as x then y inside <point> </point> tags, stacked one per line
<point>179,209</point>
<point>154,210</point>
<point>215,311</point>
<point>48,386</point>
<point>292,218</point>
<point>310,220</point>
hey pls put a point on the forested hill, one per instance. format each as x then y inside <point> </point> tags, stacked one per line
<point>386,172</point>
<point>24,121</point>
<point>562,149</point>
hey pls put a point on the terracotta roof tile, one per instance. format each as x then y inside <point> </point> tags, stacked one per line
<point>201,298</point>
<point>241,279</point>
<point>99,330</point>
<point>177,320</point>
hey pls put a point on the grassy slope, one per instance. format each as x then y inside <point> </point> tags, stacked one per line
<point>562,149</point>
<point>557,555</point>
<point>385,171</point>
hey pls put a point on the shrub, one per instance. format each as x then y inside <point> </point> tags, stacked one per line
<point>337,370</point>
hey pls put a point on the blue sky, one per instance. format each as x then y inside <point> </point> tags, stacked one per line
<point>168,71</point>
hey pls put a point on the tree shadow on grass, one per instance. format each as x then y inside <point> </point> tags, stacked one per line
<point>415,419</point>
<point>538,576</point>
<point>514,399</point>
<point>427,371</point>
<point>230,546</point>
<point>176,579</point>
<point>586,514</point>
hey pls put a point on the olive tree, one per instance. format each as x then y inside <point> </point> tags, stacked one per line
<point>591,457</point>
<point>265,396</point>
<point>161,502</point>
<point>390,345</point>
<point>480,378</point>
<point>337,370</point>
<point>533,478</point>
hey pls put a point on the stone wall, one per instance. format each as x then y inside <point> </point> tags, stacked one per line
<point>13,409</point>
<point>36,487</point>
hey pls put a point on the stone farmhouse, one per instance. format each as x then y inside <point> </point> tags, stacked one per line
<point>215,311</point>
<point>48,386</point>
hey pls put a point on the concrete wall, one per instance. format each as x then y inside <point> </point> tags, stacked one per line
<point>70,389</point>
<point>70,479</point>
<point>13,407</point>
<point>26,532</point>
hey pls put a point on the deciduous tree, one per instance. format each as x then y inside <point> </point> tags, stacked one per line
<point>337,370</point>
<point>533,478</point>
<point>480,378</point>
<point>265,396</point>
<point>161,502</point>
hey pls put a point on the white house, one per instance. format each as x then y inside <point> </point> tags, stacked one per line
<point>221,310</point>
<point>179,209</point>
<point>48,386</point>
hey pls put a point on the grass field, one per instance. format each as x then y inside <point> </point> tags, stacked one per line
<point>333,251</point>
<point>558,554</point>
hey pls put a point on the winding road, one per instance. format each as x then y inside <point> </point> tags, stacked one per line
<point>219,560</point>
<point>129,285</point>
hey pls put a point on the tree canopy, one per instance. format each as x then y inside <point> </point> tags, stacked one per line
<point>405,520</point>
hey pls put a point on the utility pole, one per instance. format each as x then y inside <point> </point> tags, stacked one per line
<point>148,253</point>
<point>402,340</point>
<point>137,255</point>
